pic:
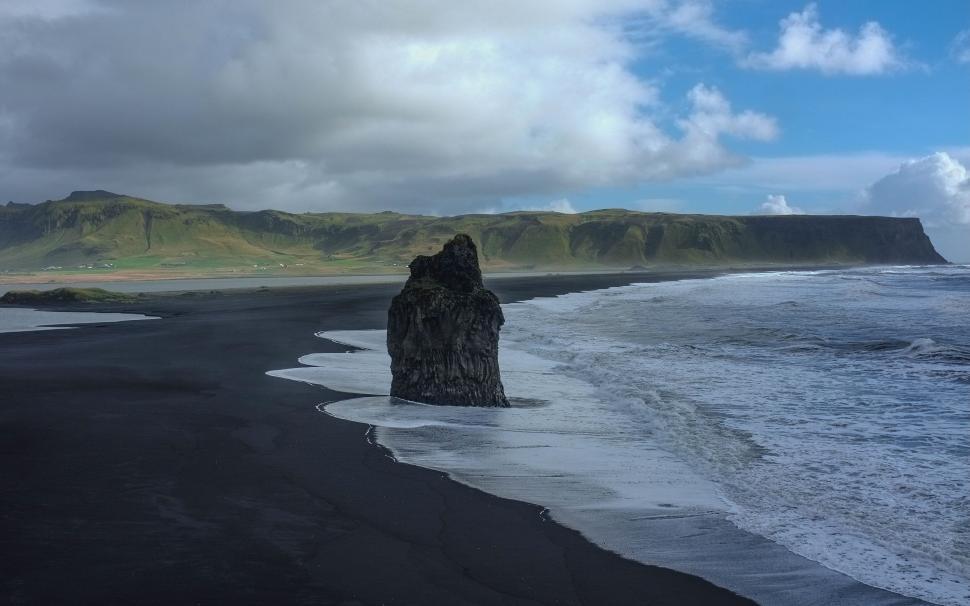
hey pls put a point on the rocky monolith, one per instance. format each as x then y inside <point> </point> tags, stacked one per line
<point>442,331</point>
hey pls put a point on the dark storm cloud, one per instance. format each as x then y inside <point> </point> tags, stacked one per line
<point>335,104</point>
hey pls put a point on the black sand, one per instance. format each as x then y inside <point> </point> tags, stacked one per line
<point>155,463</point>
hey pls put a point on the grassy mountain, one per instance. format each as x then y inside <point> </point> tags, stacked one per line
<point>116,232</point>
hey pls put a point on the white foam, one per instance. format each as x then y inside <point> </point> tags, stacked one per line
<point>594,470</point>
<point>374,340</point>
<point>674,413</point>
<point>536,441</point>
<point>851,461</point>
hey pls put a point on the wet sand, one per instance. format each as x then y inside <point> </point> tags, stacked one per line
<point>155,462</point>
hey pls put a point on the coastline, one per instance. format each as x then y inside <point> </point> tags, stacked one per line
<point>172,282</point>
<point>140,468</point>
<point>696,539</point>
<point>249,282</point>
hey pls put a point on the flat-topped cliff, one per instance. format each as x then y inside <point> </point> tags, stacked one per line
<point>130,233</point>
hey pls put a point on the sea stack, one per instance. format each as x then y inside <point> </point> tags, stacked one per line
<point>442,331</point>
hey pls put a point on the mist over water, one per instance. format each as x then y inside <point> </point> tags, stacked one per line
<point>827,412</point>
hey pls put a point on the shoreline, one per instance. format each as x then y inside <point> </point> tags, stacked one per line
<point>698,539</point>
<point>150,282</point>
<point>168,473</point>
<point>243,283</point>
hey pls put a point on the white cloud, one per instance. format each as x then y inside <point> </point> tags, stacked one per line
<point>695,18</point>
<point>960,154</point>
<point>657,19</point>
<point>562,205</point>
<point>776,204</point>
<point>935,188</point>
<point>960,47</point>
<point>804,44</point>
<point>710,117</point>
<point>818,173</point>
<point>430,106</point>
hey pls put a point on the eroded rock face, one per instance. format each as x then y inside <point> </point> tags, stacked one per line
<point>442,331</point>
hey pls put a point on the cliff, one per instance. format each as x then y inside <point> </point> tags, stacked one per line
<point>442,331</point>
<point>131,233</point>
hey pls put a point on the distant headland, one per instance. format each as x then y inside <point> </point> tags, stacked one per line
<point>103,232</point>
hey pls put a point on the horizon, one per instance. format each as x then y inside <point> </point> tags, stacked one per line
<point>487,212</point>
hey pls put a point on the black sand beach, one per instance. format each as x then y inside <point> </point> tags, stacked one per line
<point>155,463</point>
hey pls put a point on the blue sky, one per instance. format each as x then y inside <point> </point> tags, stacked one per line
<point>837,113</point>
<point>912,111</point>
<point>432,106</point>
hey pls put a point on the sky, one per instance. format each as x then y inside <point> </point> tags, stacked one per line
<point>442,107</point>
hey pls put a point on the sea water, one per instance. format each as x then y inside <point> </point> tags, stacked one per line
<point>22,319</point>
<point>799,437</point>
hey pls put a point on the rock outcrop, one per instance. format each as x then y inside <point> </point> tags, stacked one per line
<point>442,331</point>
<point>67,294</point>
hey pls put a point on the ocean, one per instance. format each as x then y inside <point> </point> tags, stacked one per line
<point>798,437</point>
<point>22,319</point>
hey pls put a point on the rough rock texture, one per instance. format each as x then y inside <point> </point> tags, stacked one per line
<point>442,331</point>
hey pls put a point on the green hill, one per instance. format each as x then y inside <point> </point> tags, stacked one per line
<point>98,230</point>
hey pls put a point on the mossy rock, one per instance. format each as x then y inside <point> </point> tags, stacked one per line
<point>65,295</point>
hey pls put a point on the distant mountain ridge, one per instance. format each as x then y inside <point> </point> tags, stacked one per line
<point>124,232</point>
